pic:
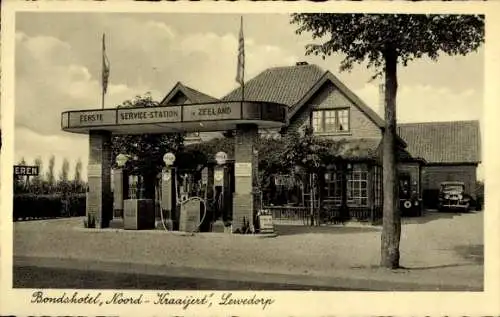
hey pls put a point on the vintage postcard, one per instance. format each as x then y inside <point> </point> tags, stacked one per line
<point>204,159</point>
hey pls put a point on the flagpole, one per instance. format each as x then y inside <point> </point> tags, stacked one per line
<point>243,68</point>
<point>240,70</point>
<point>102,70</point>
<point>102,98</point>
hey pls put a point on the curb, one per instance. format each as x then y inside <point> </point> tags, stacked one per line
<point>175,233</point>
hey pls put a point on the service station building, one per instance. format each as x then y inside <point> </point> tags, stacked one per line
<point>278,100</point>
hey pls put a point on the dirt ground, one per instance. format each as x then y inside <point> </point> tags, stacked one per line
<point>435,249</point>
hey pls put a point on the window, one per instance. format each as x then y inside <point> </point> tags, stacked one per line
<point>317,120</point>
<point>357,187</point>
<point>377,181</point>
<point>136,187</point>
<point>330,120</point>
<point>333,188</point>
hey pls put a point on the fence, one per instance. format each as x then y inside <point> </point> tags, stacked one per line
<point>288,215</point>
<point>292,215</point>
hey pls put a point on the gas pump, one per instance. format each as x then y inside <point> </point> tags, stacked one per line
<point>410,203</point>
<point>205,190</point>
<point>168,201</point>
<point>185,209</point>
<point>222,190</point>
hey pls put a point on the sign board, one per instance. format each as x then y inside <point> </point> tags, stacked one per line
<point>167,176</point>
<point>149,115</point>
<point>23,170</point>
<point>92,118</point>
<point>218,177</point>
<point>209,112</point>
<point>111,119</point>
<point>243,169</point>
<point>204,176</point>
<point>252,111</point>
<point>190,216</point>
<point>266,224</point>
<point>272,112</point>
<point>94,170</point>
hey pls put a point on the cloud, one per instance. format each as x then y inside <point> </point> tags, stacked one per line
<point>421,103</point>
<point>30,145</point>
<point>425,103</point>
<point>53,76</point>
<point>49,80</point>
<point>210,60</point>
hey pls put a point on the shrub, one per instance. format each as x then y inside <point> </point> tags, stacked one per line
<point>48,206</point>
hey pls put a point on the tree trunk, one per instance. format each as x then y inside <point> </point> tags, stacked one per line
<point>391,231</point>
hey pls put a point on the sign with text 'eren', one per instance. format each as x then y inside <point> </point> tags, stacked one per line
<point>208,112</point>
<point>92,118</point>
<point>149,115</point>
<point>22,170</point>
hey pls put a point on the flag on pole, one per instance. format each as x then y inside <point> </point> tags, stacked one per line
<point>240,74</point>
<point>105,66</point>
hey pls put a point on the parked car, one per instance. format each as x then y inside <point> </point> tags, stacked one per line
<point>452,197</point>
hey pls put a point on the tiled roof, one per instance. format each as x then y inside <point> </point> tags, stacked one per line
<point>193,95</point>
<point>356,149</point>
<point>443,142</point>
<point>284,85</point>
<point>362,148</point>
<point>196,96</point>
<point>294,86</point>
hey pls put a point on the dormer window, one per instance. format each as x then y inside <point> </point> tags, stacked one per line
<point>330,120</point>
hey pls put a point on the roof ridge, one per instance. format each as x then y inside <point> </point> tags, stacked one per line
<point>197,91</point>
<point>438,122</point>
<point>289,66</point>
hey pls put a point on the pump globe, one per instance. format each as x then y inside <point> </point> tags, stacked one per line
<point>121,160</point>
<point>221,158</point>
<point>169,158</point>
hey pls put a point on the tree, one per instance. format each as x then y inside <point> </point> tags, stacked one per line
<point>37,183</point>
<point>64,175</point>
<point>146,151</point>
<point>384,41</point>
<point>78,171</point>
<point>63,184</point>
<point>38,162</point>
<point>50,172</point>
<point>313,155</point>
<point>19,180</point>
<point>77,183</point>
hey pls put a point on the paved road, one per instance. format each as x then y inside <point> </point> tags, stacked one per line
<point>38,277</point>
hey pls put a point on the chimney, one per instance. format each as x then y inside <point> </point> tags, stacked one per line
<point>301,63</point>
<point>381,100</point>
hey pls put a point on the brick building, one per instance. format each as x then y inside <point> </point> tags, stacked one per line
<point>429,152</point>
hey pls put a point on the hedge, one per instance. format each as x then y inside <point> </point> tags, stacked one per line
<point>48,206</point>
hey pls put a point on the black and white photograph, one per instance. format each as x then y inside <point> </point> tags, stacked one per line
<point>212,160</point>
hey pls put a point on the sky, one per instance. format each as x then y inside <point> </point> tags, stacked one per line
<point>58,66</point>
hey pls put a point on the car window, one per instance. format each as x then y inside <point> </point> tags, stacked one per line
<point>452,187</point>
